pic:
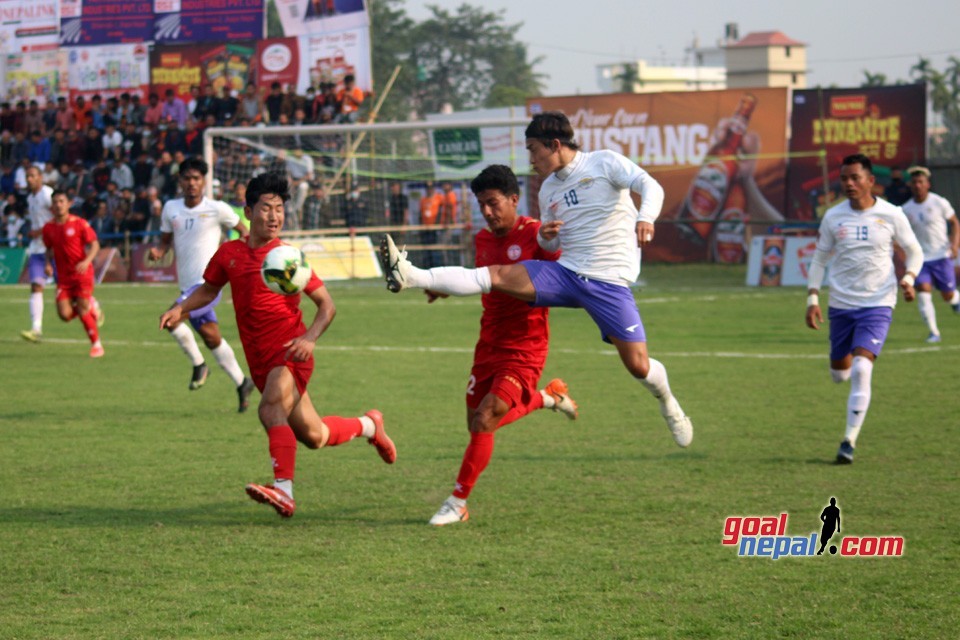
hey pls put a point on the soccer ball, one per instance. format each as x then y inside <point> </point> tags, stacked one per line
<point>285,270</point>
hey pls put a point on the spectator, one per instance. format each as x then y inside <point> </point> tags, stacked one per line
<point>328,108</point>
<point>136,216</point>
<point>7,186</point>
<point>399,205</point>
<point>229,105</point>
<point>20,119</point>
<point>100,176</point>
<point>50,174</point>
<point>111,113</point>
<point>112,139</point>
<point>58,148</point>
<point>194,98</point>
<point>138,111</point>
<point>154,219</point>
<point>20,176</point>
<point>21,146</point>
<point>174,111</point>
<point>132,141</point>
<point>121,173</point>
<point>142,171</point>
<point>6,146</point>
<point>273,103</point>
<point>34,118</point>
<point>448,207</point>
<point>50,116</point>
<point>193,139</point>
<point>91,204</point>
<point>154,112</point>
<point>125,108</point>
<point>315,210</point>
<point>74,147</point>
<point>66,118</point>
<point>309,106</point>
<point>205,104</point>
<point>162,177</point>
<point>430,205</point>
<point>93,147</point>
<point>101,223</point>
<point>38,149</point>
<point>68,179</point>
<point>292,101</point>
<point>355,209</point>
<point>96,113</point>
<point>13,224</point>
<point>81,113</point>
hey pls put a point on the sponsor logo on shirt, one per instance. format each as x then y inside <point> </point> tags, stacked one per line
<point>513,252</point>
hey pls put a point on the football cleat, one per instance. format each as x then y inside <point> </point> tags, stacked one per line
<point>450,513</point>
<point>955,307</point>
<point>562,402</point>
<point>243,393</point>
<point>96,351</point>
<point>380,439</point>
<point>394,263</point>
<point>845,453</point>
<point>677,421</point>
<point>934,338</point>
<point>200,373</point>
<point>276,498</point>
<point>31,336</point>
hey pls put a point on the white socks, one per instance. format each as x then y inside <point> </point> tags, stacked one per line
<point>185,338</point>
<point>840,375</point>
<point>956,297</point>
<point>36,311</point>
<point>284,485</point>
<point>227,361</point>
<point>454,281</point>
<point>367,426</point>
<point>859,400</point>
<point>927,312</point>
<point>656,381</point>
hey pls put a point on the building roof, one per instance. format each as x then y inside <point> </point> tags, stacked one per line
<point>767,39</point>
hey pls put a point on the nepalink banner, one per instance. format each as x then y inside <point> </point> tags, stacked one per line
<point>179,68</point>
<point>99,22</point>
<point>29,26</point>
<point>887,124</point>
<point>719,155</point>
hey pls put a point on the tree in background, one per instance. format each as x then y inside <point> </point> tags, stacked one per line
<point>629,78</point>
<point>467,59</point>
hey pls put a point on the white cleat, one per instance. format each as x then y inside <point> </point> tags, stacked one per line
<point>394,263</point>
<point>450,513</point>
<point>677,421</point>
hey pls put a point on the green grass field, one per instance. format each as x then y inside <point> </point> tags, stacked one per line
<point>123,513</point>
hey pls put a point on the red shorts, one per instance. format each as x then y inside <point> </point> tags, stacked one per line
<point>75,288</point>
<point>301,371</point>
<point>513,383</point>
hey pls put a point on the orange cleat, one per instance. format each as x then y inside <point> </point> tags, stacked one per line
<point>96,351</point>
<point>380,439</point>
<point>276,498</point>
<point>557,389</point>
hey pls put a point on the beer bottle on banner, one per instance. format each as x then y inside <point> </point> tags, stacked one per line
<point>771,261</point>
<point>709,189</point>
<point>729,240</point>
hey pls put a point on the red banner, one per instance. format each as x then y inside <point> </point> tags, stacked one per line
<point>887,124</point>
<point>143,270</point>
<point>180,67</point>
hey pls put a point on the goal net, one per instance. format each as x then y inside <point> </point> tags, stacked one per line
<point>351,183</point>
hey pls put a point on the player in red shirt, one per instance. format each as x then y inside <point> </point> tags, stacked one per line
<point>277,345</point>
<point>72,245</point>
<point>514,336</point>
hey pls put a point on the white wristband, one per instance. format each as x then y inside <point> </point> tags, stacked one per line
<point>907,279</point>
<point>813,300</point>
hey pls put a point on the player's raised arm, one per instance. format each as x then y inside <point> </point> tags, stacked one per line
<point>301,348</point>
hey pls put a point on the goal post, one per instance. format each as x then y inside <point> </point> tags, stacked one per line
<point>351,181</point>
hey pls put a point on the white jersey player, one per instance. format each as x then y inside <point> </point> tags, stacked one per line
<point>193,225</point>
<point>38,213</point>
<point>935,223</point>
<point>856,238</point>
<point>588,214</point>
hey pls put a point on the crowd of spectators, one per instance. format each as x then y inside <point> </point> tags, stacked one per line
<point>117,159</point>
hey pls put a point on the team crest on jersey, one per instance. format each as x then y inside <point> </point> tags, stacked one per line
<point>70,231</point>
<point>513,252</point>
<point>585,183</point>
<point>553,206</point>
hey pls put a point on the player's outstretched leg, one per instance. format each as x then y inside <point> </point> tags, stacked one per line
<point>395,265</point>
<point>681,428</point>
<point>455,281</point>
<point>556,396</point>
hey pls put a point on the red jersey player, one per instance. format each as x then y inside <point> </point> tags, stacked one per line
<point>512,349</point>
<point>277,345</point>
<point>72,244</point>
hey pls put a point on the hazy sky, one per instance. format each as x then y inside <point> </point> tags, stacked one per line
<point>843,38</point>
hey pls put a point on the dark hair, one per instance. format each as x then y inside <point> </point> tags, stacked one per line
<point>58,192</point>
<point>349,78</point>
<point>858,158</point>
<point>496,176</point>
<point>549,126</point>
<point>275,85</point>
<point>265,184</point>
<point>193,163</point>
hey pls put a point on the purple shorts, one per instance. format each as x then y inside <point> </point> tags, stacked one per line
<point>36,266</point>
<point>851,328</point>
<point>611,306</point>
<point>940,273</point>
<point>203,315</point>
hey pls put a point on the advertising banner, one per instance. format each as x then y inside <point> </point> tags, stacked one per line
<point>185,21</point>
<point>887,124</point>
<point>107,22</point>
<point>142,269</point>
<point>109,70</point>
<point>780,261</point>
<point>286,18</point>
<point>340,257</point>
<point>325,57</point>
<point>719,155</point>
<point>179,67</point>
<point>36,75</point>
<point>29,26</point>
<point>460,154</point>
<point>12,260</point>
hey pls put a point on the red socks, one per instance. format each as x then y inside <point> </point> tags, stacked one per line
<point>517,412</point>
<point>90,324</point>
<point>283,451</point>
<point>475,460</point>
<point>342,429</point>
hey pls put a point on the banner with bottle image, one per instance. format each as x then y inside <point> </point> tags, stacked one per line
<point>887,124</point>
<point>720,156</point>
<point>180,67</point>
<point>109,70</point>
<point>35,75</point>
